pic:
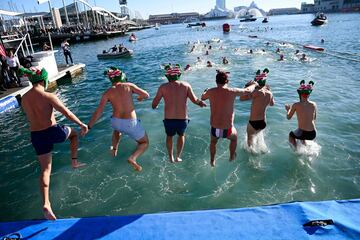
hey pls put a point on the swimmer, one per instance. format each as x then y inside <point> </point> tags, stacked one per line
<point>297,52</point>
<point>278,50</point>
<point>225,61</point>
<point>267,43</point>
<point>199,60</point>
<point>208,64</point>
<point>187,67</point>
<point>251,51</point>
<point>207,52</point>
<point>303,57</point>
<point>263,50</point>
<point>39,107</point>
<point>175,94</point>
<point>281,57</point>
<point>123,120</point>
<point>322,40</point>
<point>261,98</point>
<point>222,114</point>
<point>306,115</point>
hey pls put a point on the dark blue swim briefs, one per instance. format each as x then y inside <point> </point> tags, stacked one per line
<point>175,126</point>
<point>43,141</point>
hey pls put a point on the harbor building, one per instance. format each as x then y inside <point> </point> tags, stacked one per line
<point>173,18</point>
<point>331,6</point>
<point>219,11</point>
<point>283,11</point>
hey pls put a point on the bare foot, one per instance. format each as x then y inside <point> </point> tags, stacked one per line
<point>76,164</point>
<point>232,158</point>
<point>48,213</point>
<point>172,159</point>
<point>113,151</point>
<point>136,166</point>
<point>178,159</point>
<point>212,163</point>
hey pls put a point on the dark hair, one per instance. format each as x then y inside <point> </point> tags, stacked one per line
<point>221,77</point>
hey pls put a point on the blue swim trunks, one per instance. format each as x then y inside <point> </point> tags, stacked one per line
<point>175,126</point>
<point>43,141</point>
<point>130,127</point>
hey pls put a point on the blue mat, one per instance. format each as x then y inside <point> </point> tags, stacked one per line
<point>283,221</point>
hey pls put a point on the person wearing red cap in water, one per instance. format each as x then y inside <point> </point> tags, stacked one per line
<point>306,115</point>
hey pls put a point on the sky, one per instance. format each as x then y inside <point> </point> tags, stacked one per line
<point>147,7</point>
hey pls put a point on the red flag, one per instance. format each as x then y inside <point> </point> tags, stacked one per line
<point>2,50</point>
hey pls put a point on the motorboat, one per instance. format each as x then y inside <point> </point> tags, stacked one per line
<point>216,40</point>
<point>319,20</point>
<point>248,18</point>
<point>265,20</point>
<point>123,54</point>
<point>157,26</point>
<point>198,24</point>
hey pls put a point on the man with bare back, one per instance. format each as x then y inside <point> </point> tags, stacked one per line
<point>175,94</point>
<point>222,112</point>
<point>39,107</point>
<point>306,115</point>
<point>123,120</point>
<point>261,98</point>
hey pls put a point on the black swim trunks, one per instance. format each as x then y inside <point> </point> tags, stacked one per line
<point>303,135</point>
<point>43,141</point>
<point>175,126</point>
<point>258,125</point>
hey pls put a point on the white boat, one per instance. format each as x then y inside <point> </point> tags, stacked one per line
<point>157,26</point>
<point>216,40</point>
<point>124,54</point>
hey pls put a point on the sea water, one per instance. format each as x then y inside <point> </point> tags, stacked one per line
<point>272,172</point>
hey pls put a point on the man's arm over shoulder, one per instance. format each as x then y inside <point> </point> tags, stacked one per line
<point>139,91</point>
<point>248,95</point>
<point>158,97</point>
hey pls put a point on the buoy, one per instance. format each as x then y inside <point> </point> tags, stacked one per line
<point>226,27</point>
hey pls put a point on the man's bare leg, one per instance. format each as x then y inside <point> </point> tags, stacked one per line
<point>303,142</point>
<point>250,134</point>
<point>232,147</point>
<point>143,144</point>
<point>169,146</point>
<point>213,143</point>
<point>292,140</point>
<point>74,143</point>
<point>179,147</point>
<point>115,142</point>
<point>45,164</point>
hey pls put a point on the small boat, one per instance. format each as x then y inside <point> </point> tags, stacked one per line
<point>248,18</point>
<point>319,20</point>
<point>157,26</point>
<point>265,20</point>
<point>216,40</point>
<point>190,25</point>
<point>315,48</point>
<point>123,54</point>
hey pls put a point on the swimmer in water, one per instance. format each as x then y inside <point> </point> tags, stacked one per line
<point>306,114</point>
<point>187,67</point>
<point>251,51</point>
<point>225,61</point>
<point>124,119</point>
<point>278,50</point>
<point>261,98</point>
<point>297,52</point>
<point>209,64</point>
<point>303,57</point>
<point>281,57</point>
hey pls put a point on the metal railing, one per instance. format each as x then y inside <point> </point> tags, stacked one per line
<point>25,42</point>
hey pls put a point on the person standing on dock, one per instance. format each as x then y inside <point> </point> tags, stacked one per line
<point>66,50</point>
<point>39,107</point>
<point>306,115</point>
<point>124,119</point>
<point>222,100</point>
<point>14,64</point>
<point>175,94</point>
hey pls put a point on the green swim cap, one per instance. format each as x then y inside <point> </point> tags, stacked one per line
<point>173,73</point>
<point>35,75</point>
<point>261,77</point>
<point>115,75</point>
